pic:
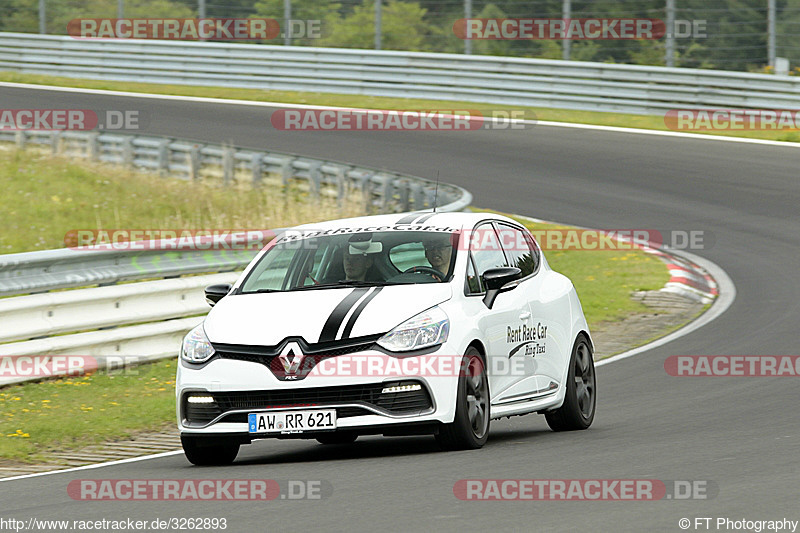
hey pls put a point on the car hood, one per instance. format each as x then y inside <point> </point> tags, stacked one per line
<point>319,315</point>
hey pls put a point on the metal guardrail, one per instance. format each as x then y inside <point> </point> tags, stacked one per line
<point>53,313</point>
<point>486,79</point>
<point>152,314</point>
<point>382,191</point>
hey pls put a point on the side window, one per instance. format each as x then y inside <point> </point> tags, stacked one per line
<point>518,247</point>
<point>534,251</point>
<point>486,250</point>
<point>473,281</point>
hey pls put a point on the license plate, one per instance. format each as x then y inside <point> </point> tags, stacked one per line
<point>292,421</point>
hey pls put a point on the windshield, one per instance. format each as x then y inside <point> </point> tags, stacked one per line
<point>354,259</point>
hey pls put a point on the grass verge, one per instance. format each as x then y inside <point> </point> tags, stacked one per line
<point>68,413</point>
<point>72,412</point>
<point>604,279</point>
<point>44,197</point>
<point>654,122</point>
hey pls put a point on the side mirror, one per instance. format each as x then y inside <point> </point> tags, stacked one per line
<point>495,281</point>
<point>215,293</point>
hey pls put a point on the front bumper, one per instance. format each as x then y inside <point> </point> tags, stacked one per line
<point>241,387</point>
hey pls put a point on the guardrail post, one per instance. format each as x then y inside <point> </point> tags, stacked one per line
<point>366,191</point>
<point>386,191</point>
<point>258,169</point>
<point>403,187</point>
<point>315,178</point>
<point>194,162</point>
<point>55,142</point>
<point>341,188</point>
<point>418,195</point>
<point>127,151</point>
<point>163,157</point>
<point>286,171</point>
<point>227,165</point>
<point>20,138</point>
<point>93,146</point>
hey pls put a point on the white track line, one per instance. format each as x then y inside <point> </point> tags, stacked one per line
<point>726,296</point>
<point>96,465</point>
<point>228,101</point>
<point>727,290</point>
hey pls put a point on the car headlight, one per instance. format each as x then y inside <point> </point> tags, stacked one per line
<point>196,347</point>
<point>428,328</point>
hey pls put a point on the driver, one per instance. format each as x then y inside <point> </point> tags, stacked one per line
<point>356,265</point>
<point>358,257</point>
<point>438,251</point>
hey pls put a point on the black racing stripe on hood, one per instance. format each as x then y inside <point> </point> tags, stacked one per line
<point>409,218</point>
<point>352,321</point>
<point>336,317</point>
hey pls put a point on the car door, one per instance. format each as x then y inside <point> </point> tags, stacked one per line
<point>542,346</point>
<point>509,311</point>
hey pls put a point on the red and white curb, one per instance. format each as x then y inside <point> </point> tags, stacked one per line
<point>686,277</point>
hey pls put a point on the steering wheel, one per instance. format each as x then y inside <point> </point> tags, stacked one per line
<point>435,274</point>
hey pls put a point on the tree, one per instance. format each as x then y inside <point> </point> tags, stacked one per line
<point>403,25</point>
<point>325,11</point>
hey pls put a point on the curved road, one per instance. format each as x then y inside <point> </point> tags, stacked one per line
<point>741,434</point>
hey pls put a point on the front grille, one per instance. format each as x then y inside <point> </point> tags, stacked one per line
<point>341,412</point>
<point>312,353</point>
<point>398,403</point>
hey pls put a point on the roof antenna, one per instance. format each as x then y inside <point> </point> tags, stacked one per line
<point>436,191</point>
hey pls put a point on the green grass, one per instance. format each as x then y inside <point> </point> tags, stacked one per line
<point>655,122</point>
<point>67,413</point>
<point>44,197</point>
<point>72,412</point>
<point>605,279</point>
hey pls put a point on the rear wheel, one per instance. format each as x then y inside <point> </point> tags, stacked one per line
<point>339,437</point>
<point>204,452</point>
<point>470,428</point>
<point>577,412</point>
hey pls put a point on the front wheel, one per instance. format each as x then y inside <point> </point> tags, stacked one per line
<point>577,412</point>
<point>470,428</point>
<point>207,454</point>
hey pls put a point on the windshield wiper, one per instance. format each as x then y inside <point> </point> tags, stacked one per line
<point>346,283</point>
<point>359,283</point>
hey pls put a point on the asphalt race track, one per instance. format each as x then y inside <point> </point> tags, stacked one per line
<point>740,434</point>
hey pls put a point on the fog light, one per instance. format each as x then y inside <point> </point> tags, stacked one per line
<point>401,388</point>
<point>200,399</point>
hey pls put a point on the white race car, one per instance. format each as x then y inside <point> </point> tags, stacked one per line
<point>393,324</point>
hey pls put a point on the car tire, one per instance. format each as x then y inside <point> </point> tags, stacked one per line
<point>470,428</point>
<point>208,454</point>
<point>580,399</point>
<point>343,437</point>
